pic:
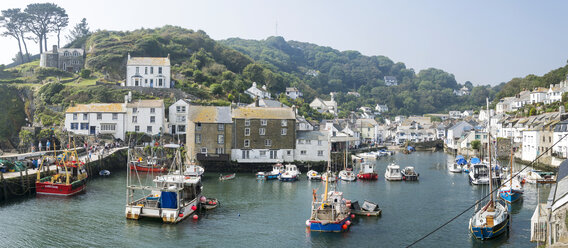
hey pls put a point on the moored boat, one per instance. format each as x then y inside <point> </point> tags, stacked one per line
<point>227,177</point>
<point>277,169</point>
<point>511,191</point>
<point>479,174</point>
<point>347,175</point>
<point>313,175</point>
<point>69,179</point>
<point>329,176</point>
<point>392,173</point>
<point>457,165</point>
<point>409,174</point>
<point>367,171</point>
<point>367,209</point>
<point>291,173</point>
<point>172,198</point>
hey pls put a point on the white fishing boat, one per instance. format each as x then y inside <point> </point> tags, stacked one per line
<point>193,170</point>
<point>291,173</point>
<point>457,165</point>
<point>392,173</point>
<point>347,175</point>
<point>409,174</point>
<point>329,176</point>
<point>367,171</point>
<point>479,174</point>
<point>367,155</point>
<point>313,175</point>
<point>172,198</point>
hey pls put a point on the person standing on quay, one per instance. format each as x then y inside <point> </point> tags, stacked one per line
<point>39,146</point>
<point>47,145</point>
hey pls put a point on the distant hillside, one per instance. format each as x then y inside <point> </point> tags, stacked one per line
<point>531,81</point>
<point>325,70</point>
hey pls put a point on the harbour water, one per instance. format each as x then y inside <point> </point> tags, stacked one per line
<point>270,213</point>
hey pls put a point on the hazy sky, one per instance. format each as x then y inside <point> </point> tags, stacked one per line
<point>486,42</point>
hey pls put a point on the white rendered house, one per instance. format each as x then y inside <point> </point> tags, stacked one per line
<point>178,113</point>
<point>145,116</point>
<point>96,118</point>
<point>148,72</point>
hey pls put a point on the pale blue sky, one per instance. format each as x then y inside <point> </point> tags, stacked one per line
<point>486,42</point>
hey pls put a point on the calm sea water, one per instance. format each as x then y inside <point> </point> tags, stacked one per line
<point>260,214</point>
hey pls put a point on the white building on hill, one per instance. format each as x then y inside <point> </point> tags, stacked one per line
<point>148,72</point>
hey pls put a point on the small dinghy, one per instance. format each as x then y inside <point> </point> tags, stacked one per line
<point>367,209</point>
<point>209,203</point>
<point>227,177</point>
<point>104,173</point>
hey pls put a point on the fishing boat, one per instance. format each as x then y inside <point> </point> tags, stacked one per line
<point>291,173</point>
<point>70,177</point>
<point>172,197</point>
<point>479,174</point>
<point>329,176</point>
<point>392,173</point>
<point>313,175</point>
<point>277,169</point>
<point>457,165</point>
<point>347,175</point>
<point>472,161</point>
<point>409,174</point>
<point>492,219</point>
<point>227,177</point>
<point>511,191</point>
<point>152,164</point>
<point>193,170</point>
<point>367,209</point>
<point>367,171</point>
<point>329,213</point>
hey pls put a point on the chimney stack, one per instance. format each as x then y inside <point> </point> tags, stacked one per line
<point>128,56</point>
<point>54,49</point>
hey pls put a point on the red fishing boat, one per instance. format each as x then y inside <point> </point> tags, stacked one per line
<point>367,172</point>
<point>150,165</point>
<point>70,177</point>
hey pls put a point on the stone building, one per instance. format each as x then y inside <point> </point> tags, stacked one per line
<point>65,59</point>
<point>209,133</point>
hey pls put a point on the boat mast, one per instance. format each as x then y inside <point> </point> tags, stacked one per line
<point>511,168</point>
<point>328,169</point>
<point>489,149</point>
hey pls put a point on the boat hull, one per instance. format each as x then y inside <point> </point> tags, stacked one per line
<point>368,176</point>
<point>337,226</point>
<point>147,169</point>
<point>288,179</point>
<point>410,177</point>
<point>484,233</point>
<point>510,196</point>
<point>48,188</point>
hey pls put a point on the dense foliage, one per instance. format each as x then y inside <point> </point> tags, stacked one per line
<point>321,70</point>
<point>531,81</point>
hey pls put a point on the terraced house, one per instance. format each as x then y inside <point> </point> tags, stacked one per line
<point>263,135</point>
<point>208,133</point>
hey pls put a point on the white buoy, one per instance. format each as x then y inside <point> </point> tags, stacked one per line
<point>308,223</point>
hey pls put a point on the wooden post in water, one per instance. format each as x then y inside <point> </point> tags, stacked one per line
<point>28,183</point>
<point>4,186</point>
<point>22,181</point>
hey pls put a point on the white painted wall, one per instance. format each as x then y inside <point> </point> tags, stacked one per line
<point>143,120</point>
<point>283,155</point>
<point>148,78</point>
<point>530,145</point>
<point>92,120</point>
<point>178,116</point>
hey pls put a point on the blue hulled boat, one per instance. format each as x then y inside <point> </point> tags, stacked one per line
<point>277,169</point>
<point>512,190</point>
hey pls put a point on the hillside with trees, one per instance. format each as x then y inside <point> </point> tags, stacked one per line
<point>324,69</point>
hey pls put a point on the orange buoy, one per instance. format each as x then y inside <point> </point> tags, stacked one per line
<point>344,226</point>
<point>195,217</point>
<point>193,208</point>
<point>352,216</point>
<point>368,215</point>
<point>180,215</point>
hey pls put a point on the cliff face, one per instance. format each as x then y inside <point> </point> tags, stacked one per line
<point>12,101</point>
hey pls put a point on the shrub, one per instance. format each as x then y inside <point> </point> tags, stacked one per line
<point>85,73</point>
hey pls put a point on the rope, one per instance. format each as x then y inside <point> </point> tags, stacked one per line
<point>491,178</point>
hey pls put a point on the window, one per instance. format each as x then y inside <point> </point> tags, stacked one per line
<point>300,141</point>
<point>66,54</point>
<point>159,70</point>
<point>74,126</point>
<point>220,139</point>
<point>247,131</point>
<point>180,118</point>
<point>108,127</point>
<point>262,131</point>
<point>246,154</point>
<point>221,127</point>
<point>267,142</point>
<point>180,109</point>
<point>136,82</point>
<point>146,72</point>
<point>263,122</point>
<point>320,153</point>
<point>288,153</point>
<point>198,127</point>
<point>308,142</point>
<point>134,119</point>
<point>137,70</point>
<point>219,150</point>
<point>198,138</point>
<point>136,128</point>
<point>319,142</point>
<point>146,81</point>
<point>283,131</point>
<point>74,117</point>
<point>284,123</point>
<point>204,150</point>
<point>247,122</point>
<point>151,82</point>
<point>303,152</point>
<point>148,129</point>
<point>273,154</point>
<point>114,116</point>
<point>247,143</point>
<point>159,82</point>
<point>181,128</point>
<point>99,116</point>
<point>152,119</point>
<point>263,154</point>
<point>152,110</point>
<point>84,117</point>
<point>151,70</point>
<point>75,53</point>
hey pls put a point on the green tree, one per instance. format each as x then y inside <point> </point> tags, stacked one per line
<point>41,20</point>
<point>79,31</point>
<point>14,23</point>
<point>532,111</point>
<point>475,145</point>
<point>85,73</point>
<point>26,137</point>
